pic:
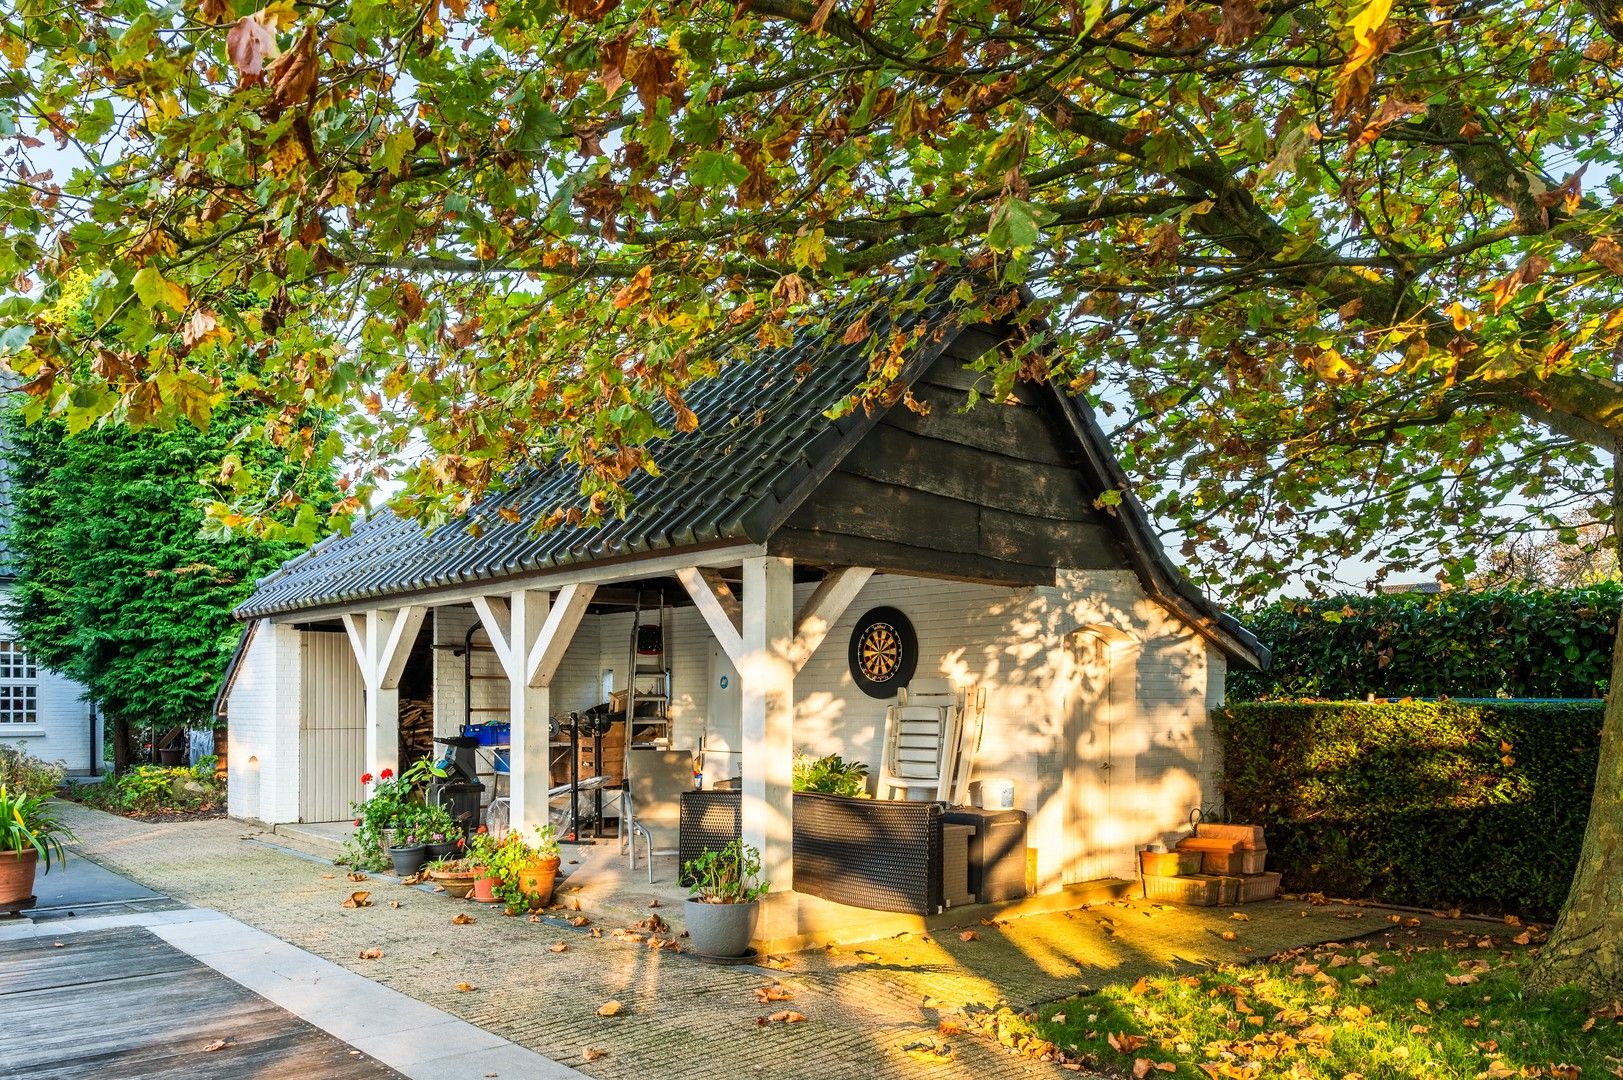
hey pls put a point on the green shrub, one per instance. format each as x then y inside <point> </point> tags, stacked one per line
<point>25,774</point>
<point>831,775</point>
<point>156,789</point>
<point>1497,642</point>
<point>1479,805</point>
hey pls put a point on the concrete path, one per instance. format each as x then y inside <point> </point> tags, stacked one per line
<point>116,979</point>
<point>867,1008</point>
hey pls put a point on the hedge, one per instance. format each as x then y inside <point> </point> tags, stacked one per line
<point>1493,643</point>
<point>1477,805</point>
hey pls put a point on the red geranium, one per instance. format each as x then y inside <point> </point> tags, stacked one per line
<point>366,777</point>
<point>385,774</point>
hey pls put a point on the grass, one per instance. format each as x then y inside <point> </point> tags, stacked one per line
<point>1419,1003</point>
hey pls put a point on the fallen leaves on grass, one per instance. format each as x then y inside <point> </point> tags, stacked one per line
<point>1124,1043</point>
<point>610,1008</point>
<point>1142,1067</point>
<point>358,899</point>
<point>968,935</point>
<point>374,953</point>
<point>461,918</point>
<point>579,920</point>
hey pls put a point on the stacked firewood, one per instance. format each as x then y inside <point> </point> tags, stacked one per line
<point>416,729</point>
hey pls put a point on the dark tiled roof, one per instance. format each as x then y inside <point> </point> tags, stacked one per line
<point>762,435</point>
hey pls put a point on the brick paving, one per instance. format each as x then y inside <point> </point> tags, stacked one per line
<point>864,1004</point>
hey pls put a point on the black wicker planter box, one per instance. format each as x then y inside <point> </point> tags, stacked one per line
<point>883,855</point>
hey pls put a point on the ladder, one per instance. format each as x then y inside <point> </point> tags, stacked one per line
<point>649,681</point>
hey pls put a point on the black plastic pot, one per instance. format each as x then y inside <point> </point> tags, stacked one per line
<point>408,860</point>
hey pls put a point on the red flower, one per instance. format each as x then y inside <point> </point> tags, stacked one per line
<point>481,828</point>
<point>366,778</point>
<point>357,823</point>
<point>385,774</point>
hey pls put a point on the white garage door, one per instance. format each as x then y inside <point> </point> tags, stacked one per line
<point>332,729</point>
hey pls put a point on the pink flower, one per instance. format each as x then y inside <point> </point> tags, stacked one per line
<point>385,774</point>
<point>366,778</point>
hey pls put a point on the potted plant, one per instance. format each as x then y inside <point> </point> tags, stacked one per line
<point>455,876</point>
<point>29,834</point>
<point>525,870</point>
<point>726,887</point>
<point>439,831</point>
<point>831,775</point>
<point>407,847</point>
<point>481,851</point>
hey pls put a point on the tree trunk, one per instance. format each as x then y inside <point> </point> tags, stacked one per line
<point>1586,946</point>
<point>123,745</point>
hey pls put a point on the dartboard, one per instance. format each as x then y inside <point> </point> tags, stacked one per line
<point>884,652</point>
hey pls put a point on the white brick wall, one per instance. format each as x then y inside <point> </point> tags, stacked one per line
<point>62,730</point>
<point>263,714</point>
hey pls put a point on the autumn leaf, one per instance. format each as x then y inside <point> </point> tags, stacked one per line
<point>249,44</point>
<point>787,1016</point>
<point>1242,21</point>
<point>610,1008</point>
<point>465,987</point>
<point>356,875</point>
<point>461,918</point>
<point>636,291</point>
<point>374,953</point>
<point>1125,1043</point>
<point>592,1053</point>
<point>775,992</point>
<point>358,899</point>
<point>968,935</point>
<point>217,1044</point>
<point>293,74</point>
<point>559,946</point>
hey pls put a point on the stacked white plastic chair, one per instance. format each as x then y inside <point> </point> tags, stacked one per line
<point>931,736</point>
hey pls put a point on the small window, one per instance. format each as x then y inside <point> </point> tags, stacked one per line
<point>19,690</point>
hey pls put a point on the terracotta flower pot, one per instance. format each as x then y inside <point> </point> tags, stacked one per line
<point>536,881</point>
<point>457,883</point>
<point>483,884</point>
<point>17,876</point>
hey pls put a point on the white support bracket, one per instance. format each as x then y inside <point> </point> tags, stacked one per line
<point>557,632</point>
<point>823,609</point>
<point>714,611</point>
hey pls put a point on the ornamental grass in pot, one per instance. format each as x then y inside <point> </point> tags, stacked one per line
<point>726,888</point>
<point>30,834</point>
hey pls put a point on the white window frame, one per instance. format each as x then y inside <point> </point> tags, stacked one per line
<point>19,687</point>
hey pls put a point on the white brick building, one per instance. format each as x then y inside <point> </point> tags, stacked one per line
<point>772,533</point>
<point>44,713</point>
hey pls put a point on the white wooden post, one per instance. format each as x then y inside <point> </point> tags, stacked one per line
<point>530,636</point>
<point>382,643</point>
<point>767,677</point>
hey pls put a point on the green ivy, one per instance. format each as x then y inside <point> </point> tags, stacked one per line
<point>1496,642</point>
<point>1480,805</point>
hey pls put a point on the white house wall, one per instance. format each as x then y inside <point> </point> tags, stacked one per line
<point>61,731</point>
<point>263,713</point>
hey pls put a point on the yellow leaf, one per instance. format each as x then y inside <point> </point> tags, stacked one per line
<point>464,987</point>
<point>610,1008</point>
<point>1370,18</point>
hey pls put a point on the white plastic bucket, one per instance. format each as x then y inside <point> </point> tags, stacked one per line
<point>996,793</point>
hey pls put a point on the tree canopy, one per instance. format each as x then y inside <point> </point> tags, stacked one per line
<point>1323,262</point>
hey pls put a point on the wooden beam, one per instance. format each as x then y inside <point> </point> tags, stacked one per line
<point>498,623</point>
<point>403,627</point>
<point>715,614</point>
<point>558,631</point>
<point>724,595</point>
<point>355,630</point>
<point>823,609</point>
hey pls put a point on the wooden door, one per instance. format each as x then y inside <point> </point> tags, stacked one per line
<point>332,728</point>
<point>1098,767</point>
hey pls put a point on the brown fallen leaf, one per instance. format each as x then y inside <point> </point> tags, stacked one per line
<point>1229,935</point>
<point>1124,1043</point>
<point>358,899</point>
<point>764,994</point>
<point>1523,938</point>
<point>374,953</point>
<point>217,1044</point>
<point>465,987</point>
<point>356,875</point>
<point>394,903</point>
<point>968,935</point>
<point>592,1053</point>
<point>461,918</point>
<point>559,946</point>
<point>787,1016</point>
<point>1239,916</point>
<point>610,1008</point>
<point>654,902</point>
<point>327,877</point>
<point>579,920</point>
<point>1139,987</point>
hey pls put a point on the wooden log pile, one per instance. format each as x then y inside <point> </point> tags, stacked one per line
<point>416,729</point>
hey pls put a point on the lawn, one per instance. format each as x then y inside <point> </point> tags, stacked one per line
<point>1411,1002</point>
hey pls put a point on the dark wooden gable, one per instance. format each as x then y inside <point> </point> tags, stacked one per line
<point>998,493</point>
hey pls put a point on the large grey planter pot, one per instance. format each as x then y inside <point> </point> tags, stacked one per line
<point>721,929</point>
<point>408,860</point>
